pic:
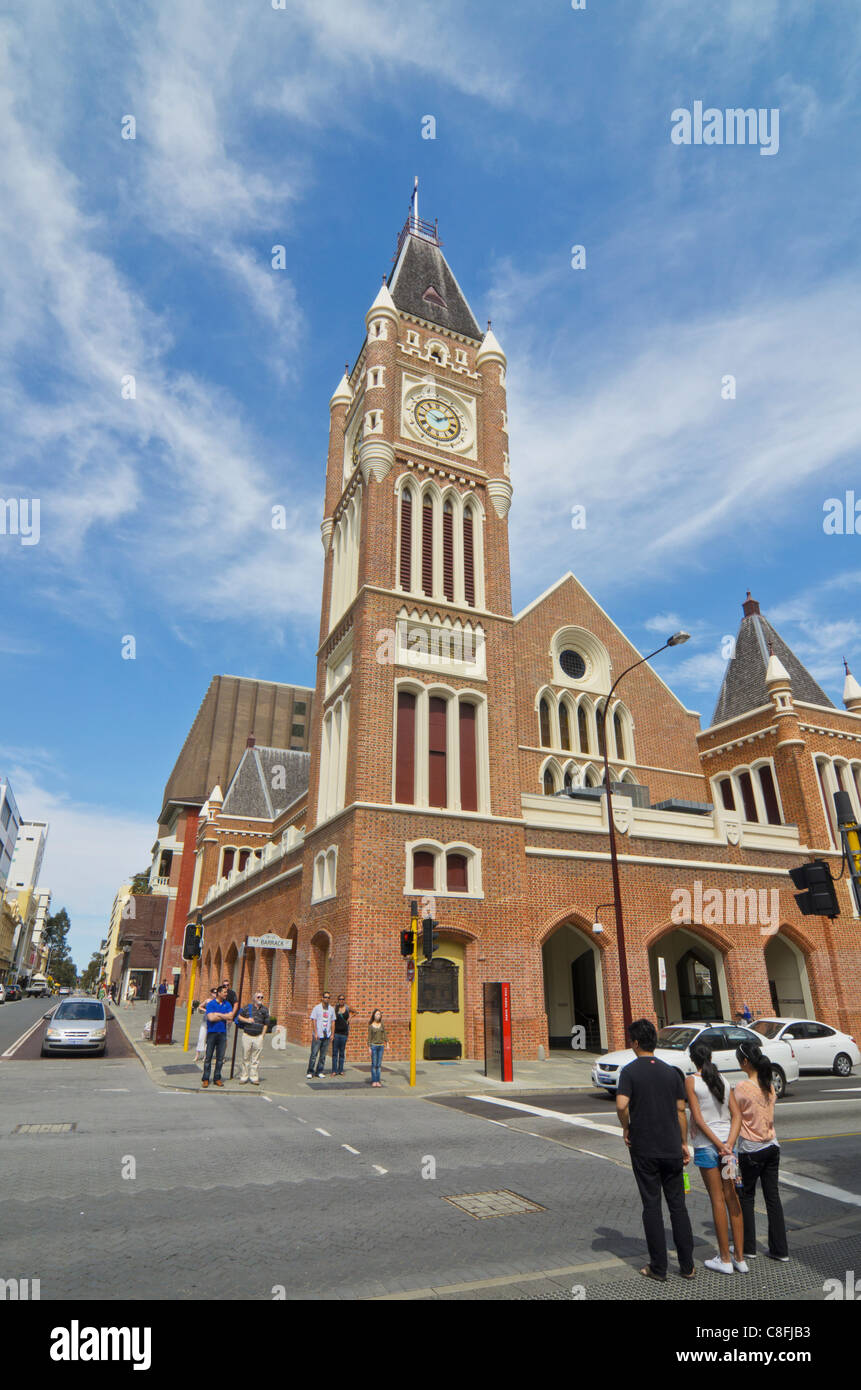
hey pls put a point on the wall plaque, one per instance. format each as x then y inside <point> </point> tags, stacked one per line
<point>438,993</point>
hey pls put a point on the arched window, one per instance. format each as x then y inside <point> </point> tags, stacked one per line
<point>564,726</point>
<point>727,797</point>
<point>468,558</point>
<point>406,563</point>
<point>423,869</point>
<point>227,862</point>
<point>243,858</point>
<point>567,782</point>
<point>544,722</point>
<point>583,730</point>
<point>405,757</point>
<point>448,551</point>
<point>427,545</point>
<point>456,873</point>
<point>769,795</point>
<point>619,735</point>
<point>748,799</point>
<point>549,784</point>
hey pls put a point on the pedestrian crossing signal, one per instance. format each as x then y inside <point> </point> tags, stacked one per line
<point>819,898</point>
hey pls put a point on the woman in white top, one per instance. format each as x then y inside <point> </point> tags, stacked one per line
<point>713,1109</point>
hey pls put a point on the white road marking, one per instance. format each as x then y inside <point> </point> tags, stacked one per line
<point>323,1131</point>
<point>349,1148</point>
<point>839,1090</point>
<point>114,1090</point>
<point>284,1108</point>
<point>10,1051</point>
<point>824,1189</point>
<point>580,1120</point>
<point>301,1121</point>
<point>380,1170</point>
<point>268,1099</point>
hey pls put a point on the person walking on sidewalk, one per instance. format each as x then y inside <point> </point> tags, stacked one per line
<point>218,1011</point>
<point>713,1109</point>
<point>253,1019</point>
<point>758,1150</point>
<point>376,1045</point>
<point>340,1035</point>
<point>131,994</point>
<point>322,1023</point>
<point>650,1104</point>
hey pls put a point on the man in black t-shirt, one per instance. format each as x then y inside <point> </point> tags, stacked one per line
<point>650,1103</point>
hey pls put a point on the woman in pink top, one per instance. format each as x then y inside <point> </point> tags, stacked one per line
<point>758,1150</point>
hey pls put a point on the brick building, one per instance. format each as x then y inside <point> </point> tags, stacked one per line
<point>454,754</point>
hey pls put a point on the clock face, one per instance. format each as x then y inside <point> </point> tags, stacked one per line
<point>437,420</point>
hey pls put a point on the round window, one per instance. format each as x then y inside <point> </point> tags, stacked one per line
<point>572,664</point>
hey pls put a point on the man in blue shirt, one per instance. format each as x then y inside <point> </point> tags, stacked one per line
<point>217,1013</point>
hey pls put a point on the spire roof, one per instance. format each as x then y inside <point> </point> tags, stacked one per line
<point>744,684</point>
<point>422,284</point>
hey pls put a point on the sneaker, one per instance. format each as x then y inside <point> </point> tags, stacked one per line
<point>741,1265</point>
<point>255,1083</point>
<point>243,1080</point>
<point>309,1076</point>
<point>781,1259</point>
<point>718,1265</point>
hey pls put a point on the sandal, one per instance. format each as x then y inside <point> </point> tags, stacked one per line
<point>649,1273</point>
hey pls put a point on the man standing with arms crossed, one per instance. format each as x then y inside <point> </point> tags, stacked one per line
<point>322,1023</point>
<point>650,1104</point>
<point>218,1010</point>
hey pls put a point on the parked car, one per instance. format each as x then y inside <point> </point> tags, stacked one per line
<point>78,1025</point>
<point>674,1047</point>
<point>13,992</point>
<point>818,1046</point>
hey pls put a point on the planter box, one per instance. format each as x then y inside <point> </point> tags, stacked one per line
<point>442,1052</point>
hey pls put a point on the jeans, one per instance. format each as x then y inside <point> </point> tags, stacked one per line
<point>339,1047</point>
<point>654,1175</point>
<point>764,1165</point>
<point>216,1045</point>
<point>376,1060</point>
<point>317,1060</point>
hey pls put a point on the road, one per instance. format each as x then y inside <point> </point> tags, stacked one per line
<point>341,1195</point>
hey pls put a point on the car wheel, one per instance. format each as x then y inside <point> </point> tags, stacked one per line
<point>842,1065</point>
<point>779,1082</point>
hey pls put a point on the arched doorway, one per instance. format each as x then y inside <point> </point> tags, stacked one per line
<point>788,984</point>
<point>231,967</point>
<point>573,987</point>
<point>319,963</point>
<point>695,989</point>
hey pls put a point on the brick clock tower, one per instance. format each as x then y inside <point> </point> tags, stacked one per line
<point>413,781</point>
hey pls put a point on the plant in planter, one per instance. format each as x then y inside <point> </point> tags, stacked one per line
<point>442,1049</point>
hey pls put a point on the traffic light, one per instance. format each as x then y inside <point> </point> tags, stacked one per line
<point>406,943</point>
<point>191,944</point>
<point>819,898</point>
<point>430,937</point>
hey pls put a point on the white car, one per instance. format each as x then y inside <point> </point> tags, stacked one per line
<point>817,1046</point>
<point>674,1044</point>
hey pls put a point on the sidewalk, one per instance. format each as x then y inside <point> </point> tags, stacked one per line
<point>283,1070</point>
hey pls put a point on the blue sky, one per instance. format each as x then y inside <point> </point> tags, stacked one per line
<point>303,127</point>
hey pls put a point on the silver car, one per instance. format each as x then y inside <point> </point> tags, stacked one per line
<point>76,1025</point>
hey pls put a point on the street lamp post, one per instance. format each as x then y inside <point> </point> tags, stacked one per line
<point>675,641</point>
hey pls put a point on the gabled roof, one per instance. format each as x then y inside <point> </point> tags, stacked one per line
<point>266,781</point>
<point>744,686</point>
<point>423,285</point>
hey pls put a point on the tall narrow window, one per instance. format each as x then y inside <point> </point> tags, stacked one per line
<point>448,552</point>
<point>769,796</point>
<point>544,723</point>
<point>427,546</point>
<point>583,729</point>
<point>827,798</point>
<point>747,796</point>
<point>468,774</point>
<point>455,873</point>
<point>227,862</point>
<point>564,726</point>
<point>602,728</point>
<point>567,781</point>
<point>405,765</point>
<point>619,735</point>
<point>437,786</point>
<point>423,869</point>
<point>243,858</point>
<point>549,788</point>
<point>727,797</point>
<point>406,565</point>
<point>468,558</point>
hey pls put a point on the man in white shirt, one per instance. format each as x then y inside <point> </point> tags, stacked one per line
<point>322,1023</point>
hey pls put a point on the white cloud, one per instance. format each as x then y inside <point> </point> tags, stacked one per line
<point>663,623</point>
